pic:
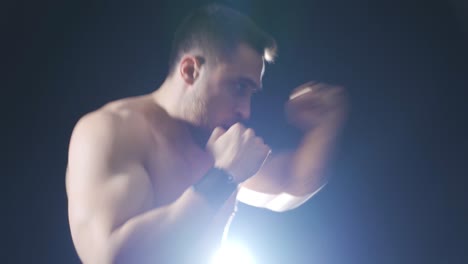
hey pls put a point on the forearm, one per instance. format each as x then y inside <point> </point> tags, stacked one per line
<point>290,178</point>
<point>161,233</point>
<point>308,163</point>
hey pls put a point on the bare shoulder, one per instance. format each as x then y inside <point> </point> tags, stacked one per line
<point>107,182</point>
<point>115,123</point>
<point>118,131</point>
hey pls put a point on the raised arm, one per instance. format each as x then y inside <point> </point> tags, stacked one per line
<point>289,179</point>
<point>110,194</point>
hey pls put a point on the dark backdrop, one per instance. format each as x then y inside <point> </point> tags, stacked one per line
<point>397,194</point>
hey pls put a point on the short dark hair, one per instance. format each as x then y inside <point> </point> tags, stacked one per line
<point>217,31</point>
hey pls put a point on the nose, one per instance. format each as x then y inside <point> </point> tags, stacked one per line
<point>243,109</point>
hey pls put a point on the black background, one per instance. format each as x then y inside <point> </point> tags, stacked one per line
<point>397,194</point>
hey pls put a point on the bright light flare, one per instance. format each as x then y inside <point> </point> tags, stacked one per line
<point>232,254</point>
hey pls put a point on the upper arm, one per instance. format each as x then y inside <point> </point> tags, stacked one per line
<point>107,183</point>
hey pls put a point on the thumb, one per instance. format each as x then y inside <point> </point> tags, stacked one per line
<point>217,132</point>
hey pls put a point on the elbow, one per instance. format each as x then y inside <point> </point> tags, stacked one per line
<point>116,254</point>
<point>112,254</point>
<point>91,247</point>
<point>126,245</point>
<point>102,252</point>
<point>107,255</point>
<point>101,249</point>
<point>118,249</point>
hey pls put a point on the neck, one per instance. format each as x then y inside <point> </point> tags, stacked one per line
<point>169,97</point>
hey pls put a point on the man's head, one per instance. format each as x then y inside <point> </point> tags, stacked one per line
<point>215,31</point>
<point>218,56</point>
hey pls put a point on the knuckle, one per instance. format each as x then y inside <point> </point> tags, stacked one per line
<point>259,140</point>
<point>238,127</point>
<point>241,127</point>
<point>250,132</point>
<point>234,129</point>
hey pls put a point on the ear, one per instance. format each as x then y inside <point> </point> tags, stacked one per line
<point>189,69</point>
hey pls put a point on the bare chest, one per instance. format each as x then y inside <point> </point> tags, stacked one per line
<point>174,167</point>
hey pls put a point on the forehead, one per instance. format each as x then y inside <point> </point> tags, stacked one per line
<point>246,63</point>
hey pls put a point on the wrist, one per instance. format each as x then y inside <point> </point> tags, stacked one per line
<point>232,174</point>
<point>216,186</point>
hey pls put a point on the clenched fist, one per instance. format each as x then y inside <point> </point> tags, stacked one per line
<point>238,151</point>
<point>313,104</point>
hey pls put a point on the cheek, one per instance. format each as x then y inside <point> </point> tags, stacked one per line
<point>221,101</point>
<point>221,98</point>
<point>221,111</point>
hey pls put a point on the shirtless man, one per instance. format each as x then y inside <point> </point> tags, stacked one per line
<point>155,178</point>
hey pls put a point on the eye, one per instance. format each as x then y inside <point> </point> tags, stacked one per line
<point>240,89</point>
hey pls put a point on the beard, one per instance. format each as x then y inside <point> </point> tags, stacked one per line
<point>194,110</point>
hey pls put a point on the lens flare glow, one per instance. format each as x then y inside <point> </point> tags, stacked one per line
<point>232,254</point>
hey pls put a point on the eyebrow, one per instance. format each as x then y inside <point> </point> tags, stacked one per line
<point>252,83</point>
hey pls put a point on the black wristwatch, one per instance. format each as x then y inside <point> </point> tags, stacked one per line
<point>216,186</point>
